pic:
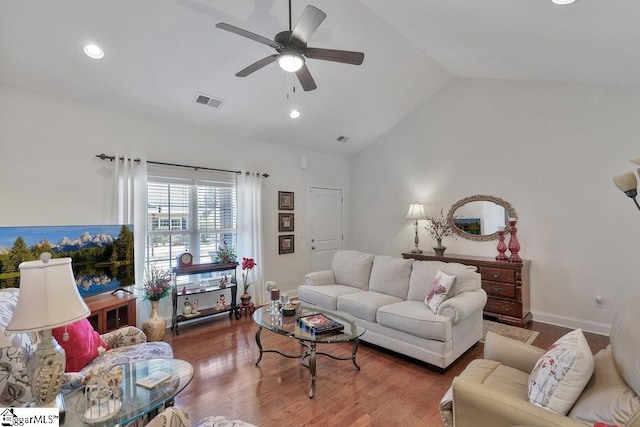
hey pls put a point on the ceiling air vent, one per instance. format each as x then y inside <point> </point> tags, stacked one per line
<point>209,100</point>
<point>342,139</point>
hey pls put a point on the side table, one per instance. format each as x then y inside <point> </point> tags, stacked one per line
<point>247,308</point>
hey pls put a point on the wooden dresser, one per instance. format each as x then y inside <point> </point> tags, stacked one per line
<point>111,311</point>
<point>506,284</point>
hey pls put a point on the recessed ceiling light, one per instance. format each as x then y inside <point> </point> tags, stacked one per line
<point>562,2</point>
<point>294,114</point>
<point>93,51</point>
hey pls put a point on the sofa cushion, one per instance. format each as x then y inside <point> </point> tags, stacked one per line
<point>390,275</point>
<point>422,275</point>
<point>499,377</point>
<point>606,398</point>
<point>352,268</point>
<point>413,317</point>
<point>82,344</point>
<point>439,289</point>
<point>324,296</point>
<point>467,277</point>
<point>625,343</point>
<point>365,304</point>
<point>561,373</point>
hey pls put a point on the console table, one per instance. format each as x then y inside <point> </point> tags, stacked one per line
<point>506,284</point>
<point>111,311</point>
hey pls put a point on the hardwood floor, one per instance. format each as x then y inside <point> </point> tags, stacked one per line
<point>389,390</point>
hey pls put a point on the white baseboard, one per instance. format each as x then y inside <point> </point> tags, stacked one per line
<point>572,323</point>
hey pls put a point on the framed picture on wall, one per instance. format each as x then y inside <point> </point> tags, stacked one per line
<point>285,222</point>
<point>285,200</point>
<point>285,244</point>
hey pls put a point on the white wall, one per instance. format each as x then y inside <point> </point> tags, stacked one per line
<point>548,149</point>
<point>49,174</point>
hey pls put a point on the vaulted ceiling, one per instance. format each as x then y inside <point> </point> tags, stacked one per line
<point>159,54</point>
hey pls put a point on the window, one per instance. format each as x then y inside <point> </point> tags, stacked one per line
<point>188,216</point>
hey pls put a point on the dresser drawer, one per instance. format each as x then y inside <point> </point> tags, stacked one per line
<point>508,308</point>
<point>498,289</point>
<point>498,274</point>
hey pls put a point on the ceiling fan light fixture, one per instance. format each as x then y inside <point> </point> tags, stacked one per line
<point>290,62</point>
<point>563,2</point>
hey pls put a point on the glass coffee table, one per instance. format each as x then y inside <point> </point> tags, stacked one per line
<point>288,327</point>
<point>136,401</point>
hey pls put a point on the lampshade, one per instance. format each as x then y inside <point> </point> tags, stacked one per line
<point>416,211</point>
<point>48,296</point>
<point>626,181</point>
<point>290,62</point>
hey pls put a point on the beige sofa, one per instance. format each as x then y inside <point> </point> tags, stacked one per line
<point>497,386</point>
<point>387,294</point>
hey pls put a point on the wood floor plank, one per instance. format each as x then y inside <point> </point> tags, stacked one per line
<point>388,390</point>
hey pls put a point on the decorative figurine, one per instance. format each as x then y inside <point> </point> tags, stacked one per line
<point>186,308</point>
<point>223,282</point>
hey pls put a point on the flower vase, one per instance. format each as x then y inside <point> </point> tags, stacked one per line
<point>439,250</point>
<point>154,327</point>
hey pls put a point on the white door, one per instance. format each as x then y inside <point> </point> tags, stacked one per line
<point>325,226</point>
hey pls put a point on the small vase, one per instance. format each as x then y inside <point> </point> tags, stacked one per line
<point>154,327</point>
<point>245,298</point>
<point>439,249</point>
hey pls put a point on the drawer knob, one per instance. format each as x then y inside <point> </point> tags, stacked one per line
<point>495,289</point>
<point>495,275</point>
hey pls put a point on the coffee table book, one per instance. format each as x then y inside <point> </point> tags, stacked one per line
<point>319,324</point>
<point>152,380</point>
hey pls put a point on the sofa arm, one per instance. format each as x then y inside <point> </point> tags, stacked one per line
<point>515,354</point>
<point>319,278</point>
<point>463,305</point>
<point>123,337</point>
<point>499,409</point>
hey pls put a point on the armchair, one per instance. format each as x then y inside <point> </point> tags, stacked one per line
<point>497,386</point>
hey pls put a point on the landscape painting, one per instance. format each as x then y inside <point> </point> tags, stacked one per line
<point>102,255</point>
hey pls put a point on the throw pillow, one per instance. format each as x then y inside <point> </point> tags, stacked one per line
<point>81,346</point>
<point>561,374</point>
<point>439,290</point>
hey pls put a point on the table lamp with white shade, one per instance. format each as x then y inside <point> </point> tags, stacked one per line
<point>48,298</point>
<point>416,212</point>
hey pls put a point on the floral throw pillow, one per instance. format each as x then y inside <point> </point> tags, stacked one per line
<point>561,373</point>
<point>439,290</point>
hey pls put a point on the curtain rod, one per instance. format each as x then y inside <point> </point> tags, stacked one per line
<point>112,158</point>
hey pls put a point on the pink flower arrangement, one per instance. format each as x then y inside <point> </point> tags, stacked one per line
<point>247,265</point>
<point>439,227</point>
<point>157,284</point>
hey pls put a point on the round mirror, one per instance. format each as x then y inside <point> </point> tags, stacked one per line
<point>478,217</point>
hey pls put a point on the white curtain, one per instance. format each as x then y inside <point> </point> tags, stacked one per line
<point>131,204</point>
<point>249,229</point>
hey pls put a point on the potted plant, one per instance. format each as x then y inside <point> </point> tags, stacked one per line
<point>439,227</point>
<point>156,286</point>
<point>226,254</point>
<point>247,265</point>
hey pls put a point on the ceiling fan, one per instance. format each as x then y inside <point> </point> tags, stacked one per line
<point>292,47</point>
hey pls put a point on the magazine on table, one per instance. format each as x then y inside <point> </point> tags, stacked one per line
<point>319,323</point>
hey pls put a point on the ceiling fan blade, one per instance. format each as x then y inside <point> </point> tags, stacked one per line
<point>306,81</point>
<point>248,34</point>
<point>310,20</point>
<point>344,56</point>
<point>257,65</point>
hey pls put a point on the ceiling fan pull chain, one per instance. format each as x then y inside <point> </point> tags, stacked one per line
<point>290,29</point>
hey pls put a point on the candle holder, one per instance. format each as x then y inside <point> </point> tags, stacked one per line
<point>502,247</point>
<point>275,301</point>
<point>514,245</point>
